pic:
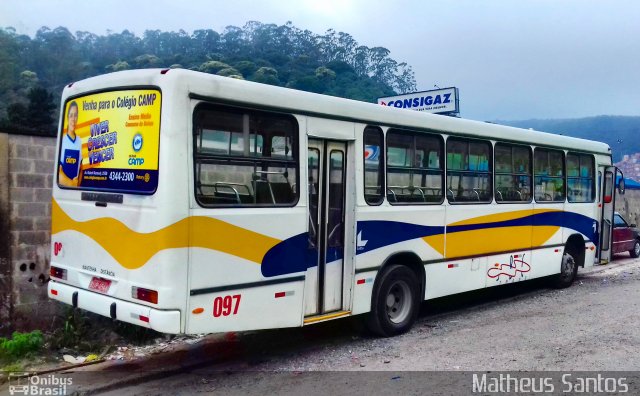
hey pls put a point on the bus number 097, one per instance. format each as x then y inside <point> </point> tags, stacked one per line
<point>223,306</point>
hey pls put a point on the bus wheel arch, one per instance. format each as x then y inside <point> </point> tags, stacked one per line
<point>576,246</point>
<point>397,293</point>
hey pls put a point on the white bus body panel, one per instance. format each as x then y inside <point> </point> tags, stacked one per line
<point>190,279</point>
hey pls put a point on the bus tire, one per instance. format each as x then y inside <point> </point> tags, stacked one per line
<point>395,302</point>
<point>635,252</point>
<point>568,271</point>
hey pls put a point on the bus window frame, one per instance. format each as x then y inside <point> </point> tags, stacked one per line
<point>564,174</point>
<point>216,106</point>
<point>530,174</point>
<point>415,133</point>
<point>593,174</point>
<point>381,167</point>
<point>490,172</point>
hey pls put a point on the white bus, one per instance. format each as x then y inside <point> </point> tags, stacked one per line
<point>191,203</point>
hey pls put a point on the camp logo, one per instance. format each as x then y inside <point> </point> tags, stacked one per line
<point>137,142</point>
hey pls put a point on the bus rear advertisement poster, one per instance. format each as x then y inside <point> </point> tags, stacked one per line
<point>110,141</point>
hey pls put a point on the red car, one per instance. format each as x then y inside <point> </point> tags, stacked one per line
<point>625,236</point>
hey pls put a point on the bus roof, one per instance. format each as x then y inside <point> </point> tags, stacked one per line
<point>247,93</point>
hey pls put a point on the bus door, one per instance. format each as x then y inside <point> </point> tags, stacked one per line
<point>327,177</point>
<point>608,200</point>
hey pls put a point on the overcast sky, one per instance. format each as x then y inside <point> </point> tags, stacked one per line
<point>511,59</point>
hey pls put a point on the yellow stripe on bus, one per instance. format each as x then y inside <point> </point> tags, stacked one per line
<point>133,249</point>
<point>489,240</point>
<point>506,216</point>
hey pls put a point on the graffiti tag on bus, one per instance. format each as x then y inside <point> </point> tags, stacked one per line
<point>517,266</point>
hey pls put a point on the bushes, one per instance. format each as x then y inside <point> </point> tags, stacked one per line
<point>20,345</point>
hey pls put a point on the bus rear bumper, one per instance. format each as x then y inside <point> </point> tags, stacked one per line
<point>164,321</point>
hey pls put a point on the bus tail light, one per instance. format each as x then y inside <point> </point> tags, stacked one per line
<point>144,294</point>
<point>59,273</point>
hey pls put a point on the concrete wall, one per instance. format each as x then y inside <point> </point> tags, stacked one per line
<point>29,176</point>
<point>629,205</point>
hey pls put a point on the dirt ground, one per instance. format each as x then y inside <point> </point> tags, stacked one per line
<point>591,326</point>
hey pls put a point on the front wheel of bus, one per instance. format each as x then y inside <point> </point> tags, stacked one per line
<point>568,271</point>
<point>394,303</point>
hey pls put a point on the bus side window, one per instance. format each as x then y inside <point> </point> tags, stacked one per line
<point>549,175</point>
<point>580,177</point>
<point>244,157</point>
<point>469,173</point>
<point>373,165</point>
<point>414,167</point>
<point>513,173</point>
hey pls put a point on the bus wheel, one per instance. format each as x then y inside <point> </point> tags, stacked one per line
<point>568,271</point>
<point>394,304</point>
<point>635,252</point>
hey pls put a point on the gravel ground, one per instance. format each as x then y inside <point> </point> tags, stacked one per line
<point>591,326</point>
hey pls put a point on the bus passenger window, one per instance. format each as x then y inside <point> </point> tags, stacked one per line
<point>244,157</point>
<point>549,175</point>
<point>513,173</point>
<point>373,166</point>
<point>469,171</point>
<point>580,177</point>
<point>414,167</point>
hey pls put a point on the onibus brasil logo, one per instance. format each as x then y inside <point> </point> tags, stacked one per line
<point>24,383</point>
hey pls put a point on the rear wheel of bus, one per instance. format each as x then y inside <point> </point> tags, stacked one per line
<point>394,303</point>
<point>568,271</point>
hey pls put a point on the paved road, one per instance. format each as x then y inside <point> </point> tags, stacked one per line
<point>592,326</point>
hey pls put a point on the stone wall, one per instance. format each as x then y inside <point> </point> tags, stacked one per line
<point>6,284</point>
<point>29,176</point>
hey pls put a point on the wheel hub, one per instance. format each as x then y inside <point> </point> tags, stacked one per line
<point>399,301</point>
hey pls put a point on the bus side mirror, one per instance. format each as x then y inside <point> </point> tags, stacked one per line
<point>621,186</point>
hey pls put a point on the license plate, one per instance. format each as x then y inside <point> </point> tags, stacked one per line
<point>100,285</point>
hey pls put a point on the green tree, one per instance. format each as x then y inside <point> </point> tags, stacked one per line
<point>267,75</point>
<point>118,66</point>
<point>40,111</point>
<point>17,116</point>
<point>147,61</point>
<point>213,67</point>
<point>230,72</point>
<point>28,79</point>
<point>246,68</point>
<point>325,74</point>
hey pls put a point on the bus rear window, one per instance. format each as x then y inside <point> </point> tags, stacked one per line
<point>110,142</point>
